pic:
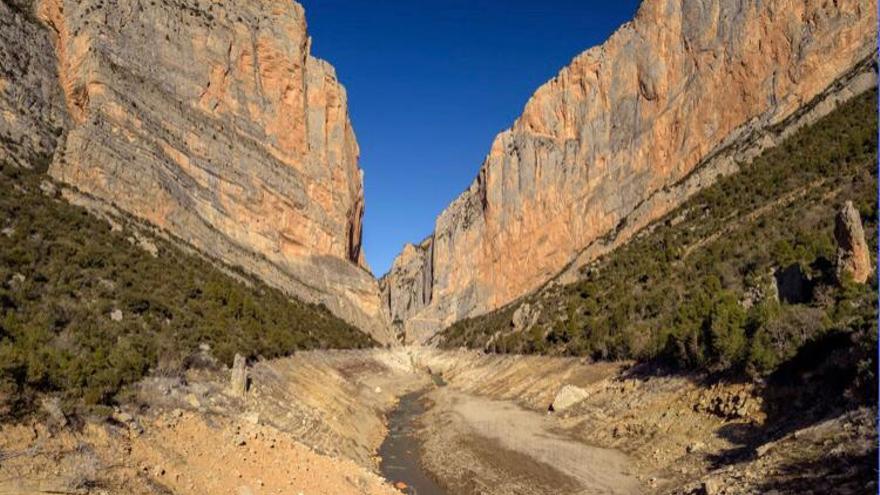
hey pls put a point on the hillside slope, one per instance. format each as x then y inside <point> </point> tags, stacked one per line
<point>741,276</point>
<point>88,307</point>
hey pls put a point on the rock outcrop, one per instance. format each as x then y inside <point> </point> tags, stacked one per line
<point>853,254</point>
<point>407,287</point>
<point>208,120</point>
<point>683,94</point>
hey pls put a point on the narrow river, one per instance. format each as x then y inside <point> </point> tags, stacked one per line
<point>400,450</point>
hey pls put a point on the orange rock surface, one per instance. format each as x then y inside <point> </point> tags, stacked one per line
<point>625,133</point>
<point>215,124</point>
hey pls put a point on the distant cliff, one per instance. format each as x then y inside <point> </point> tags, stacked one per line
<point>627,131</point>
<point>211,121</point>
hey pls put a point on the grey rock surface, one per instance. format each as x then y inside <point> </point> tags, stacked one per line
<point>32,112</point>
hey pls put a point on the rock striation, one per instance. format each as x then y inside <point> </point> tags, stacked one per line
<point>209,120</point>
<point>32,110</point>
<point>853,254</point>
<point>683,94</point>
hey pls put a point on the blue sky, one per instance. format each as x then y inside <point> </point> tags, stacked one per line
<point>430,84</point>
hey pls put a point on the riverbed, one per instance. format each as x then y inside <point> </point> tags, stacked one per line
<point>400,451</point>
<point>471,444</point>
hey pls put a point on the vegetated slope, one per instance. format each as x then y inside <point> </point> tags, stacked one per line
<point>699,287</point>
<point>63,275</point>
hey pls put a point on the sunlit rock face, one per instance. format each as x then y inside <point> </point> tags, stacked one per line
<point>683,93</point>
<point>211,121</point>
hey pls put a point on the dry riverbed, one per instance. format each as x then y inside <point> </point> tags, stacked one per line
<point>478,445</point>
<point>314,423</point>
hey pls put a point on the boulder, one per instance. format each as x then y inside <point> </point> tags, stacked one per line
<point>853,256</point>
<point>729,404</point>
<point>524,317</point>
<point>568,396</point>
<point>48,188</point>
<point>713,486</point>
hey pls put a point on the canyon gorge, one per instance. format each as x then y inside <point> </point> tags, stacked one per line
<point>680,228</point>
<point>248,155</point>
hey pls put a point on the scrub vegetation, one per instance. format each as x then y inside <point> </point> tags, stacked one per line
<point>739,279</point>
<point>86,311</point>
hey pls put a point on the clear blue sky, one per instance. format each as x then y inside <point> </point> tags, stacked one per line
<point>430,84</point>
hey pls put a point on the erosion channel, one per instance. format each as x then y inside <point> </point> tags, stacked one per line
<point>446,440</point>
<point>400,451</point>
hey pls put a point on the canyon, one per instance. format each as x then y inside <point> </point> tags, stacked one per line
<point>247,155</point>
<point>685,93</point>
<point>205,130</point>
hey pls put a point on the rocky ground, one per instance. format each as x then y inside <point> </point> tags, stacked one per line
<point>673,434</point>
<point>478,445</point>
<point>307,424</point>
<point>312,424</point>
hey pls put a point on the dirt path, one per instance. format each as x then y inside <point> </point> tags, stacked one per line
<point>477,445</point>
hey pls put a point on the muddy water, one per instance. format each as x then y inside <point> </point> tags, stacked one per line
<point>400,450</point>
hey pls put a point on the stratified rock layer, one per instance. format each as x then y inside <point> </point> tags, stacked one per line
<point>32,112</point>
<point>675,98</point>
<point>213,122</point>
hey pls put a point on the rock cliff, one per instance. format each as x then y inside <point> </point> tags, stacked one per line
<point>684,93</point>
<point>32,112</point>
<point>211,121</point>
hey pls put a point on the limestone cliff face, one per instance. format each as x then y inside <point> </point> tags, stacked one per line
<point>678,96</point>
<point>212,121</point>
<point>407,288</point>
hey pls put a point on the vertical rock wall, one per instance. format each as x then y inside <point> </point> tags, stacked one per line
<point>625,133</point>
<point>212,121</point>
